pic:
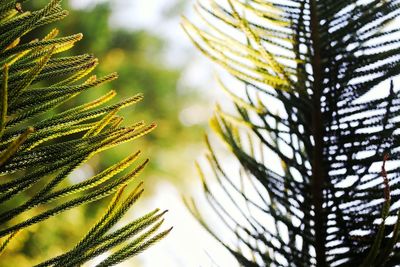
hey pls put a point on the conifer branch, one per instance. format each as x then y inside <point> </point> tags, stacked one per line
<point>34,81</point>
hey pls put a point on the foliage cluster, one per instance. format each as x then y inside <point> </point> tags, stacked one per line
<point>325,66</point>
<point>40,148</point>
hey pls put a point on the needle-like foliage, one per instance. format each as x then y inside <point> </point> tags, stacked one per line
<point>315,113</point>
<point>42,141</point>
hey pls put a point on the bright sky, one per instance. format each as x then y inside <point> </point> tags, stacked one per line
<point>188,245</point>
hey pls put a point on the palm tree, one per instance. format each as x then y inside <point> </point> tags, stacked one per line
<point>315,121</point>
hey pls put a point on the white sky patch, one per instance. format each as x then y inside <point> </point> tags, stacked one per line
<point>81,174</point>
<point>188,244</point>
<point>82,4</point>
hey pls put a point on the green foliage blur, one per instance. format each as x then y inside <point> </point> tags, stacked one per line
<point>135,55</point>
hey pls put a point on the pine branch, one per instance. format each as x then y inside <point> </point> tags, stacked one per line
<point>315,62</point>
<point>35,80</point>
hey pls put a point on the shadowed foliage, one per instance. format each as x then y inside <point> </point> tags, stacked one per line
<point>315,113</point>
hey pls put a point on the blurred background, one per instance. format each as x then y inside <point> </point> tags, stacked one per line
<point>143,42</point>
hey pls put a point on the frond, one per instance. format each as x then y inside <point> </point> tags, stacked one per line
<point>314,117</point>
<point>39,154</point>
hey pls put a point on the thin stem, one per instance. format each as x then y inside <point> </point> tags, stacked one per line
<point>318,173</point>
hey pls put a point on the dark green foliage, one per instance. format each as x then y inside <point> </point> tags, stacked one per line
<point>326,67</point>
<point>39,148</point>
